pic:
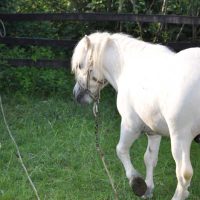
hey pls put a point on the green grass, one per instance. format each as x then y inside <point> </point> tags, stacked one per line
<point>57,142</point>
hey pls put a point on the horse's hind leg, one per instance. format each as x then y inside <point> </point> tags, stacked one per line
<point>150,160</point>
<point>180,145</point>
<point>129,133</point>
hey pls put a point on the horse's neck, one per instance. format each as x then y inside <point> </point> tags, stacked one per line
<point>123,51</point>
<point>126,43</point>
<point>111,78</point>
<point>114,56</point>
<point>112,64</point>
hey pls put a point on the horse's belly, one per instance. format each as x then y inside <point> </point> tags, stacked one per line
<point>148,110</point>
<point>158,129</point>
<point>156,124</point>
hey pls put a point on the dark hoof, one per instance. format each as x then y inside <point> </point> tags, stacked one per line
<point>138,186</point>
<point>197,139</point>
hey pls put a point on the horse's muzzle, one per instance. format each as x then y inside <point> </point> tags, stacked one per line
<point>81,95</point>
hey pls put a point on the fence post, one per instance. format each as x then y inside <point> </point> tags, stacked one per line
<point>194,27</point>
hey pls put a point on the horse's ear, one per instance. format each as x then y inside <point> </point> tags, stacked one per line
<point>88,43</point>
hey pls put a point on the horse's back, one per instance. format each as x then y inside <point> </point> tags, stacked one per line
<point>190,53</point>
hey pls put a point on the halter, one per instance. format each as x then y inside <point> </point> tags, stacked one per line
<point>101,83</point>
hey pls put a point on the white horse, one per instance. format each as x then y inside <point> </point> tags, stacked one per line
<point>158,91</point>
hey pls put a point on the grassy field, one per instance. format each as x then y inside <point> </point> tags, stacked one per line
<point>57,142</point>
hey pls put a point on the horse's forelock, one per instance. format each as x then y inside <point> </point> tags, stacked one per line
<point>94,45</point>
<point>78,54</point>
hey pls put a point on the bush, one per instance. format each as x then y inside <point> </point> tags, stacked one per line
<point>33,80</point>
<point>48,81</point>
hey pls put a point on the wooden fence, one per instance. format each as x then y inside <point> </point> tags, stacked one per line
<point>13,41</point>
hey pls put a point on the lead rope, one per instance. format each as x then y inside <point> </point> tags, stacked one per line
<point>18,152</point>
<point>10,133</point>
<point>2,34</point>
<point>98,148</point>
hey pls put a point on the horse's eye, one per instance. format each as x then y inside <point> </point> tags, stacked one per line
<point>80,66</point>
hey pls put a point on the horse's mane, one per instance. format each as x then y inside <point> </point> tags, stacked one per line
<point>99,41</point>
<point>94,52</point>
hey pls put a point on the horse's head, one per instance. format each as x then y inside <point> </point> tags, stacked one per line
<point>89,76</point>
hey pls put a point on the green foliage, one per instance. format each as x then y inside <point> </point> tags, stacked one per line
<point>34,80</point>
<point>77,29</point>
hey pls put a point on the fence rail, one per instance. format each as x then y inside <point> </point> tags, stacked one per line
<point>69,44</point>
<point>43,63</point>
<point>126,17</point>
<point>13,41</point>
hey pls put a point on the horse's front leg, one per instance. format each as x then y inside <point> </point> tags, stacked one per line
<point>129,133</point>
<point>150,160</point>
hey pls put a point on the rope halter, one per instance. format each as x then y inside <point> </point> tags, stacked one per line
<point>100,84</point>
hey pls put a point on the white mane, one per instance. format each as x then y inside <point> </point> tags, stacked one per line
<point>90,52</point>
<point>93,52</point>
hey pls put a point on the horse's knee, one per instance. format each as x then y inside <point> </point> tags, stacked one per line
<point>187,174</point>
<point>184,177</point>
<point>187,170</point>
<point>123,154</point>
<point>121,150</point>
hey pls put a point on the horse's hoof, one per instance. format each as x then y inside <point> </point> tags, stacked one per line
<point>148,194</point>
<point>138,186</point>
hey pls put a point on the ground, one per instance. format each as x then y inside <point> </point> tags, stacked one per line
<point>56,139</point>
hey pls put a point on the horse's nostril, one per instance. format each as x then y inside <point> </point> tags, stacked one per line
<point>78,94</point>
<point>79,97</point>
